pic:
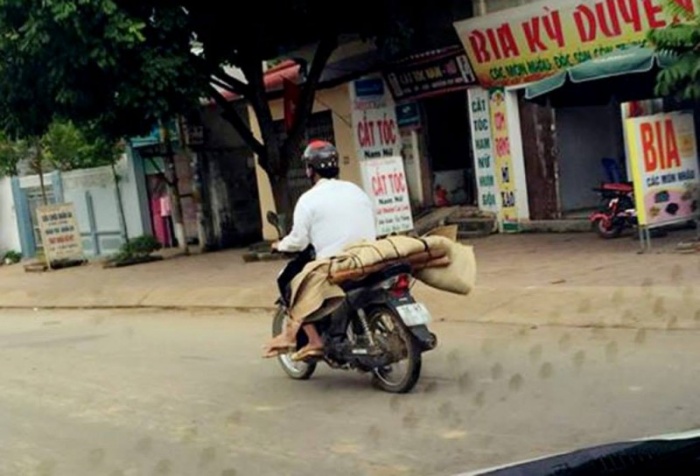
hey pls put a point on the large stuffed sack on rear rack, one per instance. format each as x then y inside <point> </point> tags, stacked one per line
<point>437,261</point>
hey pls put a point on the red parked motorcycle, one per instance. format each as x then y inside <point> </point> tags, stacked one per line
<point>618,211</point>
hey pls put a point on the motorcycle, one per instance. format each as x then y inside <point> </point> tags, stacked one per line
<point>378,327</point>
<point>618,211</point>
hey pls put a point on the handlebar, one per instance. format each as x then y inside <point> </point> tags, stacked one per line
<point>293,254</point>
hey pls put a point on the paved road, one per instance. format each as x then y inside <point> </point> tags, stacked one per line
<point>97,393</point>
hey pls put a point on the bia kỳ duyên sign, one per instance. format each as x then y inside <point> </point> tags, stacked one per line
<point>527,43</point>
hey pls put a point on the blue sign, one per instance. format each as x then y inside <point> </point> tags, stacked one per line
<point>408,115</point>
<point>369,87</point>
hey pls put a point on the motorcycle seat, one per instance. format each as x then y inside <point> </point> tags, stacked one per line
<point>623,187</point>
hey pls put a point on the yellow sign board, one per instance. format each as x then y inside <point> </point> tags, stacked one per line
<point>527,43</point>
<point>503,159</point>
<point>664,158</point>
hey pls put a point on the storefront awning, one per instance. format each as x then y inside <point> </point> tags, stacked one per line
<point>612,67</point>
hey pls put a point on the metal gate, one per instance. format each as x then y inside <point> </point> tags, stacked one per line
<point>35,200</point>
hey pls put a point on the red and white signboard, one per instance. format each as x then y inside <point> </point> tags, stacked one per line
<point>384,180</point>
<point>374,121</point>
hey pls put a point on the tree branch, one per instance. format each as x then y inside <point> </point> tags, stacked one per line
<point>230,115</point>
<point>217,73</point>
<point>160,172</point>
<point>261,106</point>
<point>239,86</point>
<point>325,49</point>
<point>226,86</point>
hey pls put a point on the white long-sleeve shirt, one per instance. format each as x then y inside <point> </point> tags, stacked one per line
<point>330,216</point>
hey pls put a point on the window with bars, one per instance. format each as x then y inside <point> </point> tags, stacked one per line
<point>320,126</point>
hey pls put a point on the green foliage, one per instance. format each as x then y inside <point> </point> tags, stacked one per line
<point>123,65</point>
<point>681,40</point>
<point>67,147</point>
<point>11,153</point>
<point>138,248</point>
<point>64,147</point>
<point>12,257</point>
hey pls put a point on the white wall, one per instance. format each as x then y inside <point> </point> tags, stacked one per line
<point>9,234</point>
<point>99,183</point>
<point>517,155</point>
<point>131,198</point>
<point>585,136</point>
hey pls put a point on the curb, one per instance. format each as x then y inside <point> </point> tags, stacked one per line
<point>241,309</point>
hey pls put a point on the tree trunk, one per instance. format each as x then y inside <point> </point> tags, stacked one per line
<point>274,157</point>
<point>120,204</point>
<point>39,168</point>
<point>282,194</point>
<point>174,190</point>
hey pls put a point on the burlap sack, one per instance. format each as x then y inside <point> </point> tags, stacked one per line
<point>315,296</point>
<point>460,276</point>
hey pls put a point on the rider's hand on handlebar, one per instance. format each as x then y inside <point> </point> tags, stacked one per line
<point>275,247</point>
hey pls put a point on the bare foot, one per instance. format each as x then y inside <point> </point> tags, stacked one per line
<point>308,351</point>
<point>278,345</point>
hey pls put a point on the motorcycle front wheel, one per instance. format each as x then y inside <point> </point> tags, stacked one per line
<point>607,231</point>
<point>296,370</point>
<point>388,329</point>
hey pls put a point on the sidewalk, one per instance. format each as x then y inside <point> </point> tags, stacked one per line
<point>575,279</point>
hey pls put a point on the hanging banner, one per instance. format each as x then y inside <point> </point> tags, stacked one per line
<point>527,43</point>
<point>374,124</point>
<point>664,158</point>
<point>384,180</point>
<point>480,119</point>
<point>505,177</point>
<point>60,235</point>
<point>291,97</point>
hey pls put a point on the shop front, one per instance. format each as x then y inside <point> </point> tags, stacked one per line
<point>430,93</point>
<point>558,82</point>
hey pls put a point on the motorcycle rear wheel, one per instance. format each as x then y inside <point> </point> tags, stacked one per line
<point>381,318</point>
<point>295,370</point>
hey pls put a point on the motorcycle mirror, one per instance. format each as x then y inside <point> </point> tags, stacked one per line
<point>273,219</point>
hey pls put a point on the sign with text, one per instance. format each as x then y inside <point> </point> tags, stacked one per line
<point>384,180</point>
<point>408,116</point>
<point>503,158</point>
<point>531,42</point>
<point>440,72</point>
<point>480,118</point>
<point>374,123</point>
<point>664,158</point>
<point>60,235</point>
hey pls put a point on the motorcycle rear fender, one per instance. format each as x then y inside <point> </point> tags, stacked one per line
<point>599,216</point>
<point>364,298</point>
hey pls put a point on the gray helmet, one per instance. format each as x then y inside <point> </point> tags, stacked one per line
<point>320,155</point>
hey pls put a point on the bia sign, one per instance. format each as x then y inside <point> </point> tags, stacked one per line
<point>664,159</point>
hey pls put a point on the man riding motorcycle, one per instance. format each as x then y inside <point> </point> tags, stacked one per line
<point>330,216</point>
